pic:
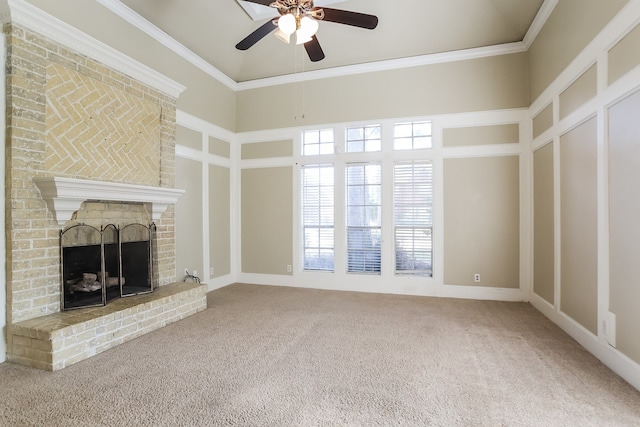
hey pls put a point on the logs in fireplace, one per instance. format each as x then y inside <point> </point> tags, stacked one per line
<point>99,265</point>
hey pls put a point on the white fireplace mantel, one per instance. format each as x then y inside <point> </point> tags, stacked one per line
<point>65,195</point>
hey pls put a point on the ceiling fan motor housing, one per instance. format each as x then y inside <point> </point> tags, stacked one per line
<point>294,7</point>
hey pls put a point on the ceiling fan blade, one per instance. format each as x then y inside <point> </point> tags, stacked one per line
<point>257,35</point>
<point>314,50</point>
<point>262,2</point>
<point>347,17</point>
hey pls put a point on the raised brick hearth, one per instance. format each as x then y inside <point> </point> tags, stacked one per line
<point>61,339</point>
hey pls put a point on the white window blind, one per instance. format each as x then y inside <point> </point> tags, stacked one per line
<point>364,217</point>
<point>413,217</point>
<point>318,217</point>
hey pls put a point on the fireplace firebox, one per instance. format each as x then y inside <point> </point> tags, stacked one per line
<point>100,265</point>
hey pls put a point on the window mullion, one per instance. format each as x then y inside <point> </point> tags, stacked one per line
<point>339,216</point>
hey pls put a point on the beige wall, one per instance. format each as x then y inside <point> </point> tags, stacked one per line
<point>188,137</point>
<point>481,135</point>
<point>543,224</point>
<point>189,218</point>
<point>267,218</point>
<point>582,90</point>
<point>624,56</point>
<point>472,85</point>
<point>205,242</point>
<point>219,147</point>
<point>482,221</point>
<point>597,123</point>
<point>543,121</point>
<point>220,220</point>
<point>578,225</point>
<point>571,26</point>
<point>261,150</point>
<point>624,222</point>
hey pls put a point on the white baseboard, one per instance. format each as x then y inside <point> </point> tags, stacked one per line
<point>416,286</point>
<point>611,357</point>
<point>219,282</point>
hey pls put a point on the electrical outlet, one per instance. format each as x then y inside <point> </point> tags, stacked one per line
<point>289,268</point>
<point>211,271</point>
<point>195,273</point>
<point>476,277</point>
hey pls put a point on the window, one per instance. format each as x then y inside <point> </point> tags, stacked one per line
<point>404,149</point>
<point>413,215</point>
<point>412,135</point>
<point>363,139</point>
<point>317,217</point>
<point>364,217</point>
<point>315,142</point>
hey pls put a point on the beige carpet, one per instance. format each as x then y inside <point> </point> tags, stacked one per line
<point>272,356</point>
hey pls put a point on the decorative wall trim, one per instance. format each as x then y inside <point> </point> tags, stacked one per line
<point>614,359</point>
<point>596,52</point>
<point>192,122</point>
<point>29,16</point>
<point>65,195</point>
<point>627,19</point>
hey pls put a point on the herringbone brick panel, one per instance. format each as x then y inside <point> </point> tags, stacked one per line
<point>97,131</point>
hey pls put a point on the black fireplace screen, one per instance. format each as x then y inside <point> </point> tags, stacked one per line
<point>99,265</point>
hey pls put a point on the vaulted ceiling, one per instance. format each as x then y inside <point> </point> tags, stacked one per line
<point>406,29</point>
<point>409,32</point>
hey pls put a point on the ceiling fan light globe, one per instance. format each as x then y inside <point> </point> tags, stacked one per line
<point>302,38</point>
<point>309,25</point>
<point>287,24</point>
<point>282,36</point>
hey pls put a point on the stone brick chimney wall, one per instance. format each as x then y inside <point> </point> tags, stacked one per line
<point>70,116</point>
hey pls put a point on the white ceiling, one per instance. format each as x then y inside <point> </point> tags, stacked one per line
<point>409,28</point>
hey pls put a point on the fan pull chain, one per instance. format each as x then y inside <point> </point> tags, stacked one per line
<point>296,97</point>
<point>303,83</point>
<point>295,83</point>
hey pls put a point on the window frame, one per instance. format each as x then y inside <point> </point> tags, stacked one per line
<point>340,158</point>
<point>319,248</point>
<point>371,257</point>
<point>415,210</point>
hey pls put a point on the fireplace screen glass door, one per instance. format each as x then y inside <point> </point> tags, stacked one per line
<point>99,265</point>
<point>137,266</point>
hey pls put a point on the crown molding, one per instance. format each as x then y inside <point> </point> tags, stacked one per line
<point>538,22</point>
<point>29,16</point>
<point>129,15</point>
<point>394,64</point>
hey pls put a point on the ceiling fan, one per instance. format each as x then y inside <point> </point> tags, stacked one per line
<point>301,17</point>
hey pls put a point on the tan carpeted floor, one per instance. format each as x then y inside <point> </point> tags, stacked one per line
<point>275,356</point>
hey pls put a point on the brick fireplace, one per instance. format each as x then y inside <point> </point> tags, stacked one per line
<point>79,135</point>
